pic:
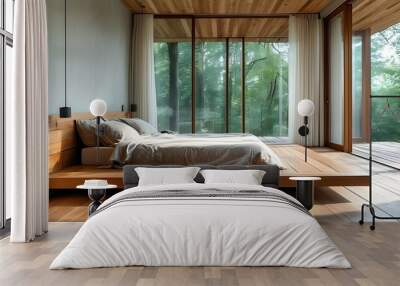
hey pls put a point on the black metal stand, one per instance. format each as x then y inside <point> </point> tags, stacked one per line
<point>370,204</point>
<point>305,193</point>
<point>97,138</point>
<point>96,195</point>
<point>303,131</point>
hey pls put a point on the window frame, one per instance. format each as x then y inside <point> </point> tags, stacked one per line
<point>227,60</point>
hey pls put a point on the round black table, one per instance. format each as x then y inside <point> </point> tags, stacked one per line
<point>305,190</point>
<point>96,195</point>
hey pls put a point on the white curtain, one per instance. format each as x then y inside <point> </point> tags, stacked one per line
<point>336,78</point>
<point>142,81</point>
<point>27,123</point>
<point>306,75</point>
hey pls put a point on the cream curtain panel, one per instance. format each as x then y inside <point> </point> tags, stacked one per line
<point>142,78</point>
<point>336,77</point>
<point>306,75</point>
<point>26,118</point>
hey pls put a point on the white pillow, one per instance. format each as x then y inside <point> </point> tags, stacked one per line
<point>248,177</point>
<point>166,176</point>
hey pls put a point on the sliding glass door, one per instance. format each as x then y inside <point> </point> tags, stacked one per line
<point>338,78</point>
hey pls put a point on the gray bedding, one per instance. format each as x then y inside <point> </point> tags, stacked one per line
<point>188,149</point>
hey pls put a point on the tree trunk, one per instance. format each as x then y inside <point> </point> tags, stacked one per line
<point>173,85</point>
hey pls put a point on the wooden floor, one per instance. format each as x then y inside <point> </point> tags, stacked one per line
<point>384,152</point>
<point>335,168</point>
<point>375,256</point>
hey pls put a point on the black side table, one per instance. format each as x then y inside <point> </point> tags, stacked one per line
<point>96,194</point>
<point>305,190</point>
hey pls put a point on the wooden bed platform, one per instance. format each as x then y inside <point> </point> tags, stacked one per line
<point>334,167</point>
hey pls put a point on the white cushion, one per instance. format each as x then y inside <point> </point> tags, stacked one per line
<point>247,177</point>
<point>166,176</point>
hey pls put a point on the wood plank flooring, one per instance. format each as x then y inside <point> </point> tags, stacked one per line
<point>384,152</point>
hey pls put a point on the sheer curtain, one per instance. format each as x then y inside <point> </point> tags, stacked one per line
<point>27,123</point>
<point>336,79</point>
<point>306,75</point>
<point>142,77</point>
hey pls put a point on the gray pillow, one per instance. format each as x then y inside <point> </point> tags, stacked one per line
<point>143,127</point>
<point>87,131</point>
<point>113,132</point>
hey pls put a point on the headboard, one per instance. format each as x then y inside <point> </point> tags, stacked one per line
<point>64,144</point>
<point>270,179</point>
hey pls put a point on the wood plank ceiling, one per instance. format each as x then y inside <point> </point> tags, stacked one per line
<point>209,28</point>
<point>376,15</point>
<point>221,7</point>
<point>256,29</point>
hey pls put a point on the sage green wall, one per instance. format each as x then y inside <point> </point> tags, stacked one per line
<point>98,44</point>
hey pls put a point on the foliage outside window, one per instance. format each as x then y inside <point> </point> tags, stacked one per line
<point>266,86</point>
<point>385,81</point>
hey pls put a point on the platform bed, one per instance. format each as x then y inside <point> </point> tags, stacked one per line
<point>195,220</point>
<point>335,169</point>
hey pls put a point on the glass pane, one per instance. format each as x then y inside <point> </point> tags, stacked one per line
<point>336,79</point>
<point>357,93</point>
<point>173,75</point>
<point>235,86</point>
<point>9,11</point>
<point>266,93</point>
<point>385,62</point>
<point>210,87</point>
<point>8,91</point>
<point>386,131</point>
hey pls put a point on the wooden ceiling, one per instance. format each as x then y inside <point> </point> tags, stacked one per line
<point>221,7</point>
<point>180,29</point>
<point>376,15</point>
<point>169,29</point>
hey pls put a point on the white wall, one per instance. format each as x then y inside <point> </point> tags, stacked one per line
<point>98,44</point>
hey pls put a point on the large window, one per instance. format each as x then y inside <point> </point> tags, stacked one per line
<point>240,83</point>
<point>6,62</point>
<point>376,73</point>
<point>174,85</point>
<point>210,87</point>
<point>266,88</point>
<point>385,84</point>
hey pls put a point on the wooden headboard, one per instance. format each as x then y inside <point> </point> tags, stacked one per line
<point>64,144</point>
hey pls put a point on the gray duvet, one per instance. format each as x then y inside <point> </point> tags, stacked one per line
<point>188,149</point>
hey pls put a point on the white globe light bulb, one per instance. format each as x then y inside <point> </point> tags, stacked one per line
<point>305,107</point>
<point>98,107</point>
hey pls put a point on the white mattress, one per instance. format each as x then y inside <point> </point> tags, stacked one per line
<point>191,231</point>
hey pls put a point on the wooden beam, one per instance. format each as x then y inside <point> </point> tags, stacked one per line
<point>348,76</point>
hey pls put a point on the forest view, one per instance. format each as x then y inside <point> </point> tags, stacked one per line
<point>385,81</point>
<point>266,87</point>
